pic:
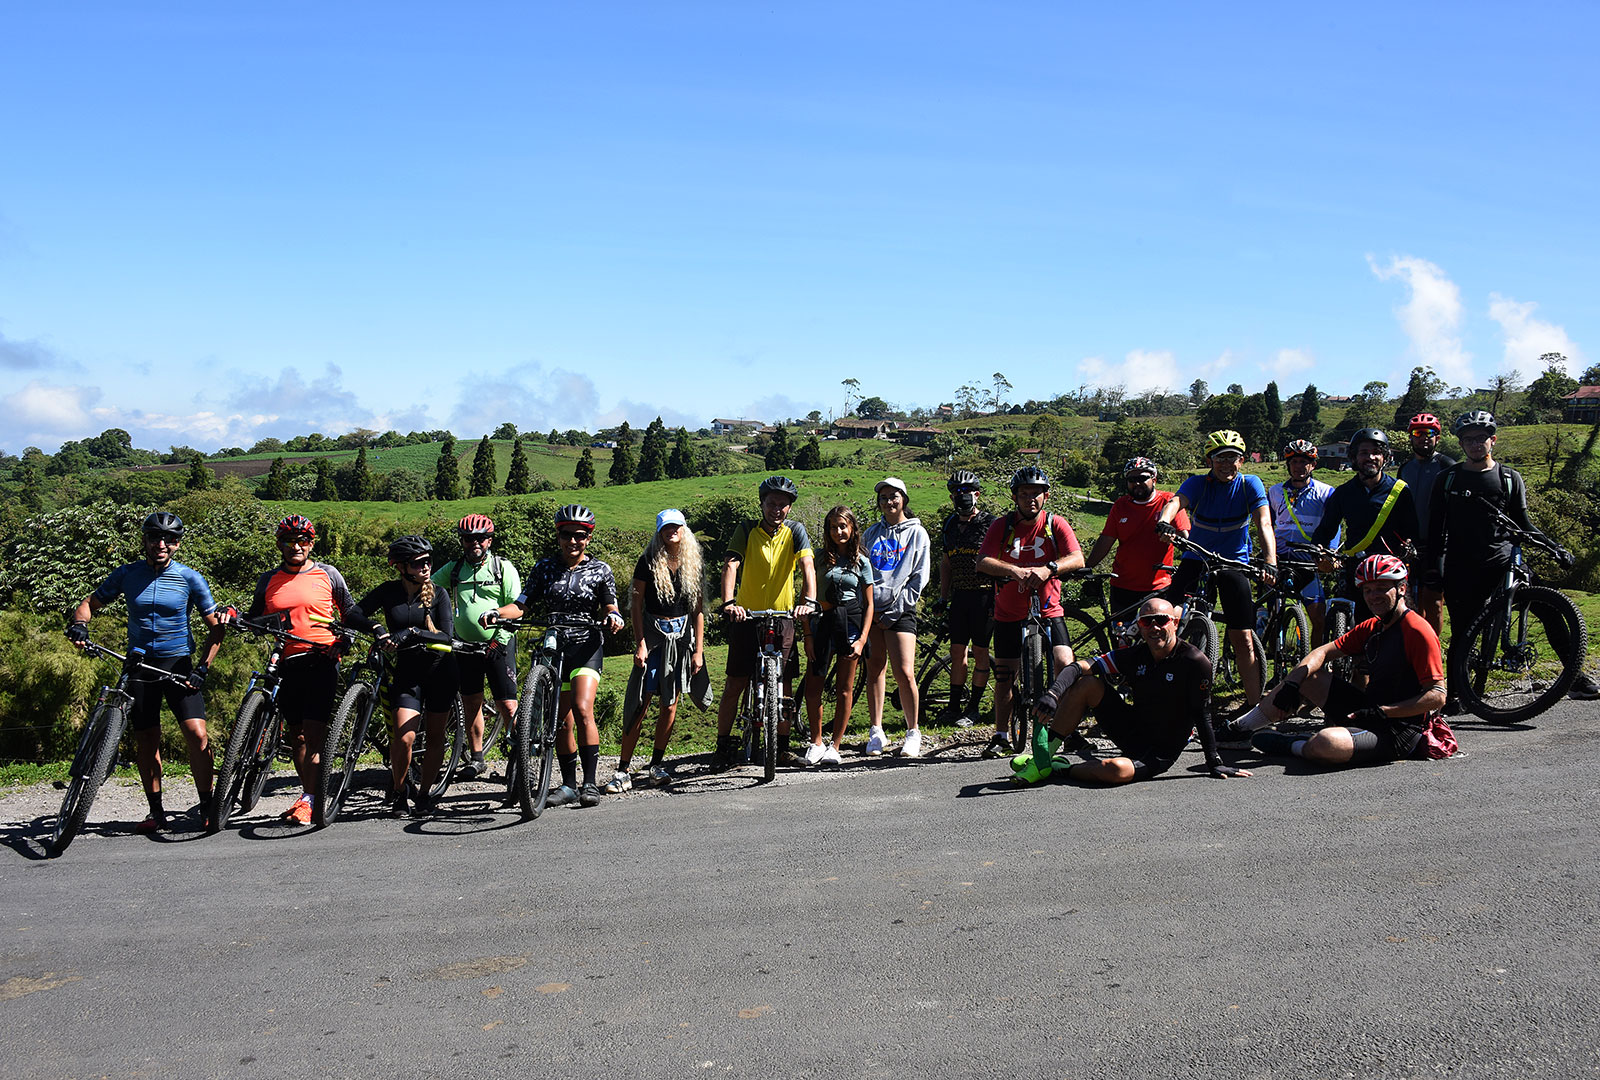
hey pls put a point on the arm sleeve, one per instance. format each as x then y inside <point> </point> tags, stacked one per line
<point>357,614</point>
<point>1422,649</point>
<point>737,542</point>
<point>341,592</point>
<point>608,586</point>
<point>1354,639</point>
<point>1258,491</point>
<point>1403,522</point>
<point>1332,514</point>
<point>921,570</point>
<point>802,541</point>
<point>444,620</point>
<point>200,597</point>
<point>258,602</point>
<point>1433,548</point>
<point>994,539</point>
<point>510,582</point>
<point>1198,707</point>
<point>1517,504</point>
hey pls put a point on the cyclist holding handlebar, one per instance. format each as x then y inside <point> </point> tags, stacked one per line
<point>160,592</point>
<point>574,584</point>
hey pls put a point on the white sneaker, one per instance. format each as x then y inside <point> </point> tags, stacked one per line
<point>830,756</point>
<point>913,746</point>
<point>876,742</point>
<point>813,753</point>
<point>619,783</point>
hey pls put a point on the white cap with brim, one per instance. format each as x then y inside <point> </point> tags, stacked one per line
<point>892,482</point>
<point>670,517</point>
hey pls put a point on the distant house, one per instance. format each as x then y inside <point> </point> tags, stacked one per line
<point>916,436</point>
<point>944,412</point>
<point>1337,399</point>
<point>1582,406</point>
<point>729,427</point>
<point>1334,455</point>
<point>851,428</point>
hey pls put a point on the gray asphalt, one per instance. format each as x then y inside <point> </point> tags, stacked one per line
<point>1415,919</point>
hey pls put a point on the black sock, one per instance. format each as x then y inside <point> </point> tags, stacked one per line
<point>655,758</point>
<point>477,756</point>
<point>591,762</point>
<point>1276,743</point>
<point>569,769</point>
<point>154,799</point>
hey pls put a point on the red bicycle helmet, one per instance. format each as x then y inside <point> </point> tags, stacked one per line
<point>1427,420</point>
<point>1380,568</point>
<point>475,525</point>
<point>296,525</point>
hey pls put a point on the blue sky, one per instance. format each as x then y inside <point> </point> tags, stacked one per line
<point>222,222</point>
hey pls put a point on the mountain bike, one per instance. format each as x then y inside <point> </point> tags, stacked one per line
<point>96,754</point>
<point>1526,646</point>
<point>348,731</point>
<point>1282,625</point>
<point>1036,671</point>
<point>1341,610</point>
<point>256,740</point>
<point>762,707</point>
<point>538,721</point>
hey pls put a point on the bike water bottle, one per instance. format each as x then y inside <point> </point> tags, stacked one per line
<point>1261,620</point>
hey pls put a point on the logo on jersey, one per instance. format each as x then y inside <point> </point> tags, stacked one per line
<point>1036,549</point>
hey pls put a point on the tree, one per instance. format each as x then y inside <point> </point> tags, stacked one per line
<point>1552,385</point>
<point>266,446</point>
<point>874,408</point>
<point>356,439</point>
<point>1220,412</point>
<point>1252,423</point>
<point>1502,385</point>
<point>364,485</point>
<point>967,400</point>
<point>809,456</point>
<point>653,454</point>
<point>585,470</point>
<point>813,417</point>
<point>779,456</point>
<point>1235,388</point>
<point>852,392</point>
<point>447,476</point>
<point>1590,376</point>
<point>681,462</point>
<point>507,430</point>
<point>277,485</point>
<point>622,458</point>
<point>517,478</point>
<point>326,490</point>
<point>1421,389</point>
<point>1307,422</point>
<point>998,391</point>
<point>482,470</point>
<point>1274,409</point>
<point>1049,434</point>
<point>1199,391</point>
<point>553,438</point>
<point>199,476</point>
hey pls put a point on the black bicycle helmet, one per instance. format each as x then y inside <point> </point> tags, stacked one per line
<point>781,484</point>
<point>1140,466</point>
<point>1029,475</point>
<point>164,523</point>
<point>409,549</point>
<point>1371,435</point>
<point>573,514</point>
<point>962,478</point>
<point>1477,418</point>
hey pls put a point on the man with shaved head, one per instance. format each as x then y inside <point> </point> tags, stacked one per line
<point>1147,698</point>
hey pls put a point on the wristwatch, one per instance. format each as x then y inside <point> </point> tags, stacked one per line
<point>1053,568</point>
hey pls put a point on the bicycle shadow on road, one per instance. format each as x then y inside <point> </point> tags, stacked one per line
<point>29,838</point>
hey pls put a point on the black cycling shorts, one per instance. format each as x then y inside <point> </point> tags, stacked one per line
<point>497,665</point>
<point>972,617</point>
<point>1231,588</point>
<point>1008,636</point>
<point>1392,740</point>
<point>310,683</point>
<point>147,694</point>
<point>832,635</point>
<point>1121,723</point>
<point>424,686</point>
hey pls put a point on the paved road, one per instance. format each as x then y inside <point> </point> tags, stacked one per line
<point>1416,919</point>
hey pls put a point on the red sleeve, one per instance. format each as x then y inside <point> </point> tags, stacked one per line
<point>1066,540</point>
<point>1422,649</point>
<point>1355,638</point>
<point>994,539</point>
<point>1181,521</point>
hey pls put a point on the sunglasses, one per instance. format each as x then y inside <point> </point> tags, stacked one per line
<point>297,541</point>
<point>574,534</point>
<point>422,560</point>
<point>477,537</point>
<point>162,538</point>
<point>1424,431</point>
<point>1154,620</point>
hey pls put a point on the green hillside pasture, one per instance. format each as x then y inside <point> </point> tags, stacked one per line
<point>556,463</point>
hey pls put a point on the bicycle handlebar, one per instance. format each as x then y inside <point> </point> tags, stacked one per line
<point>1215,561</point>
<point>136,665</point>
<point>281,634</point>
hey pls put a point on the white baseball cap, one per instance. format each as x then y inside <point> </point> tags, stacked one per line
<point>892,482</point>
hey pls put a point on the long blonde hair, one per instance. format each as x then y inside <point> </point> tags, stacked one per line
<point>690,567</point>
<point>426,594</point>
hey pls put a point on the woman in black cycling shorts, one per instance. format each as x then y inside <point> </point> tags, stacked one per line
<point>422,682</point>
<point>571,583</point>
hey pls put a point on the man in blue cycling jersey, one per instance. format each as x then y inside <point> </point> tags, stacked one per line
<point>1296,507</point>
<point>160,592</point>
<point>1223,504</point>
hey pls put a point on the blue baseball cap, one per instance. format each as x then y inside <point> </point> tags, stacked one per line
<point>670,517</point>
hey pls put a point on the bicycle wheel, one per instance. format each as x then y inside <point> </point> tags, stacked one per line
<point>1201,632</point>
<point>238,776</point>
<point>1517,665</point>
<point>1291,640</point>
<point>1086,637</point>
<point>346,738</point>
<point>455,733</point>
<point>97,756</point>
<point>1029,686</point>
<point>533,740</point>
<point>933,692</point>
<point>1339,625</point>
<point>771,715</point>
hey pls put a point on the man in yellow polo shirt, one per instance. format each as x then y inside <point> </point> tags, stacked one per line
<point>761,558</point>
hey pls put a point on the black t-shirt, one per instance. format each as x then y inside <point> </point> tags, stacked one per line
<point>1464,532</point>
<point>961,540</point>
<point>682,602</point>
<point>1357,506</point>
<point>584,589</point>
<point>399,611</point>
<point>1173,696</point>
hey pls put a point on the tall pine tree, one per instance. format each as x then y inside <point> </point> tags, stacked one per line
<point>277,485</point>
<point>622,463</point>
<point>585,470</point>
<point>809,456</point>
<point>482,470</point>
<point>680,462</point>
<point>517,478</point>
<point>365,483</point>
<point>653,454</point>
<point>779,456</point>
<point>1274,412</point>
<point>447,477</point>
<point>199,476</point>
<point>326,490</point>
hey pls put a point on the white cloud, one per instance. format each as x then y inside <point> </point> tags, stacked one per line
<point>1528,338</point>
<point>775,407</point>
<point>528,395</point>
<point>41,410</point>
<point>1431,317</point>
<point>1140,370</point>
<point>1288,361</point>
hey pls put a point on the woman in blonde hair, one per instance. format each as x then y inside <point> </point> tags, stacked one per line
<point>423,681</point>
<point>669,626</point>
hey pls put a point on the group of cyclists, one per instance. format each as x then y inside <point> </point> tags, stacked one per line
<point>1430,537</point>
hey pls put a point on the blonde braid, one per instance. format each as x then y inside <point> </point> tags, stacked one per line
<point>427,604</point>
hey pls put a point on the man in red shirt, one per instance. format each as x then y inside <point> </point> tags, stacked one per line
<point>1027,550</point>
<point>1144,558</point>
<point>1387,718</point>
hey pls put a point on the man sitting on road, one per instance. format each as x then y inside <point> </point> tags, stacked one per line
<point>1147,699</point>
<point>1028,550</point>
<point>761,558</point>
<point>1144,558</point>
<point>1223,503</point>
<point>1385,720</point>
<point>967,594</point>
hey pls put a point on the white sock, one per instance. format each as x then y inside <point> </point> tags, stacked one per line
<point>1254,720</point>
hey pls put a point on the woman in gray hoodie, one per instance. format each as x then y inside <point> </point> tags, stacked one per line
<point>898,547</point>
